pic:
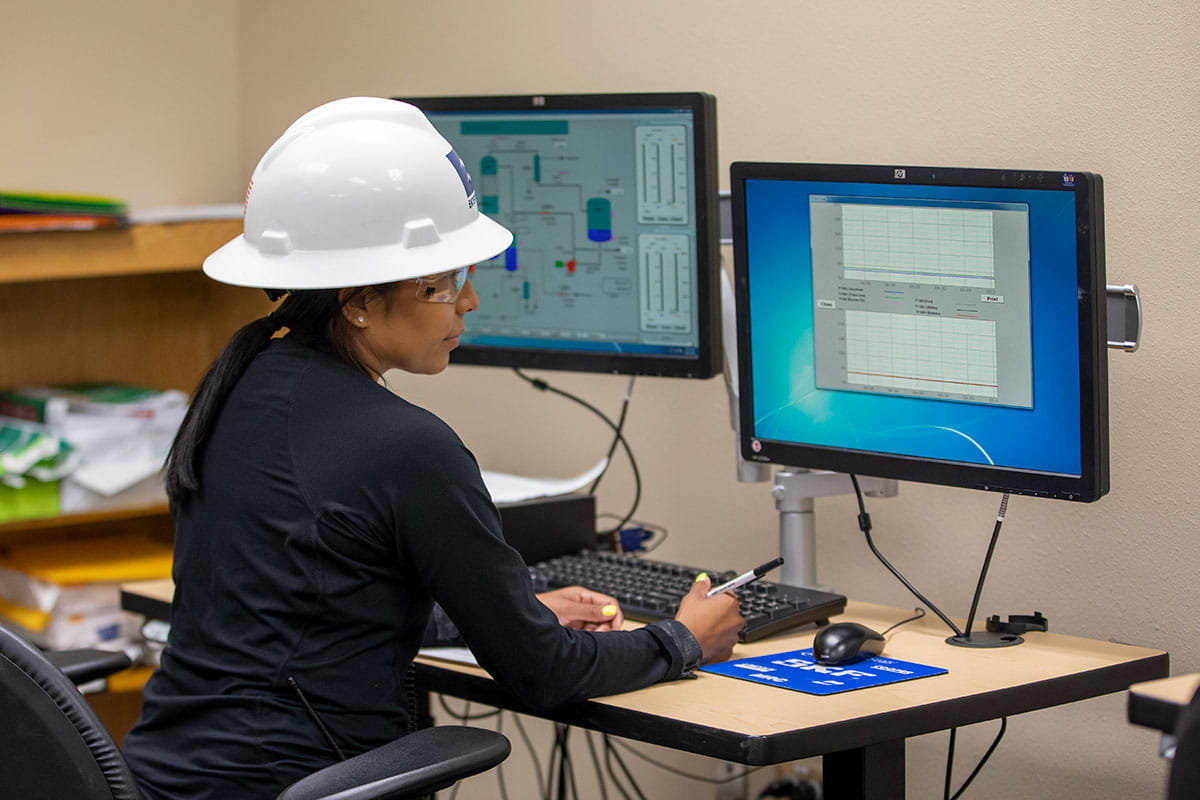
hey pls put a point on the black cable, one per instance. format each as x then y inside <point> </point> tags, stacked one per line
<point>609,767</point>
<point>465,715</point>
<point>612,448</point>
<point>596,764</point>
<point>920,613</point>
<point>864,524</point>
<point>571,772</point>
<point>552,764</point>
<point>499,769</point>
<point>633,784</point>
<point>949,764</point>
<point>537,764</point>
<point>566,770</point>
<point>991,749</point>
<point>537,383</point>
<point>466,712</point>
<point>610,753</point>
<point>986,562</point>
<point>560,764</point>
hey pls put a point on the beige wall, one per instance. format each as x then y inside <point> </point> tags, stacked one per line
<point>136,98</point>
<point>166,103</point>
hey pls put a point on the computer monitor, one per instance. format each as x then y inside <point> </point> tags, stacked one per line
<point>612,199</point>
<point>925,324</point>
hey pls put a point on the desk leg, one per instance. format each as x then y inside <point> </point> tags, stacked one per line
<point>865,773</point>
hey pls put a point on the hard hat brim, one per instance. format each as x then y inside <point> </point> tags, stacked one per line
<point>240,263</point>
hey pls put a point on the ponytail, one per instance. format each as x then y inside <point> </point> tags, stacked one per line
<point>183,460</point>
<point>313,318</point>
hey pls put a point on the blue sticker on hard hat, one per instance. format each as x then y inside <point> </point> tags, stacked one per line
<point>463,175</point>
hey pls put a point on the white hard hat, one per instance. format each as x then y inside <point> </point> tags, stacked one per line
<point>356,192</point>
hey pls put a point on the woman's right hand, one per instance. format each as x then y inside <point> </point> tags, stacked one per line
<point>714,621</point>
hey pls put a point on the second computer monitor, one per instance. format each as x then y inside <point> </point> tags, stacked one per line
<point>612,199</point>
<point>929,324</point>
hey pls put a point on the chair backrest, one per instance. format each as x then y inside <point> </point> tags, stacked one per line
<point>52,745</point>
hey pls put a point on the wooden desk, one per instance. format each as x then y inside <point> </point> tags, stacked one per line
<point>151,599</point>
<point>1156,704</point>
<point>860,734</point>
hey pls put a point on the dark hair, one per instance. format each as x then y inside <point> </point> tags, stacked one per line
<point>312,316</point>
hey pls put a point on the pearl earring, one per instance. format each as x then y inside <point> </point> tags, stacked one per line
<point>361,320</point>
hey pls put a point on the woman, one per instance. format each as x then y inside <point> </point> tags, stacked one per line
<point>319,516</point>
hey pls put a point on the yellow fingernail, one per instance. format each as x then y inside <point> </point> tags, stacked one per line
<point>609,611</point>
<point>703,576</point>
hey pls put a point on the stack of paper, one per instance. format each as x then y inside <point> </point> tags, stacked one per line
<point>114,437</point>
<point>507,488</point>
<point>36,211</point>
<point>65,593</point>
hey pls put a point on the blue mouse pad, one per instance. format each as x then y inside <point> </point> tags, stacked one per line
<point>796,670</point>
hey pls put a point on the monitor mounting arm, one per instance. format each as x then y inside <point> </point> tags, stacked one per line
<point>794,491</point>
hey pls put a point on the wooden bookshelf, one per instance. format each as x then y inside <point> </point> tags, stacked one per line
<point>150,518</point>
<point>127,305</point>
<point>115,252</point>
<point>117,305</point>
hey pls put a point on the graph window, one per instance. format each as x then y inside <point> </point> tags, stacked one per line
<point>922,298</point>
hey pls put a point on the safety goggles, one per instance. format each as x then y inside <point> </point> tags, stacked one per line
<point>443,287</point>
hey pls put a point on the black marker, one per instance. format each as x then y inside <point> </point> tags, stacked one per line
<point>745,578</point>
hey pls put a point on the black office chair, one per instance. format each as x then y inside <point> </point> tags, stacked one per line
<point>53,745</point>
<point>1184,780</point>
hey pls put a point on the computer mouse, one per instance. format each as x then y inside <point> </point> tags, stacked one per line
<point>845,642</point>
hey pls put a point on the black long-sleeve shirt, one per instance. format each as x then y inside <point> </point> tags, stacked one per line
<point>332,514</point>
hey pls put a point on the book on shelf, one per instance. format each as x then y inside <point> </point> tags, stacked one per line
<point>24,212</point>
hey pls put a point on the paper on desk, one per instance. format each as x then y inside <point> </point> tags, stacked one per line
<point>506,488</point>
<point>460,655</point>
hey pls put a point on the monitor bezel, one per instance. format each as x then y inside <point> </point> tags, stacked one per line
<point>707,361</point>
<point>1093,482</point>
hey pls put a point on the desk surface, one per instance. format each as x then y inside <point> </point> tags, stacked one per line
<point>150,598</point>
<point>1156,704</point>
<point>752,723</point>
<point>757,724</point>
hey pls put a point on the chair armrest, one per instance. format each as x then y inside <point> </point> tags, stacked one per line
<point>82,666</point>
<point>419,763</point>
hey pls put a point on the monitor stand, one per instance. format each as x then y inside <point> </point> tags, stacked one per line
<point>794,491</point>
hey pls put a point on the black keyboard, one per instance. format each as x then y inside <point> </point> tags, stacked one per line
<point>650,590</point>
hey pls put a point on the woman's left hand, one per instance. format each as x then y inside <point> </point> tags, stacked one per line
<point>583,609</point>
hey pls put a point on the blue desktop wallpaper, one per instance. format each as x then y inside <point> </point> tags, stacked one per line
<point>789,408</point>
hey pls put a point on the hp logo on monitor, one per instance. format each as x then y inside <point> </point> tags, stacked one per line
<point>899,174</point>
